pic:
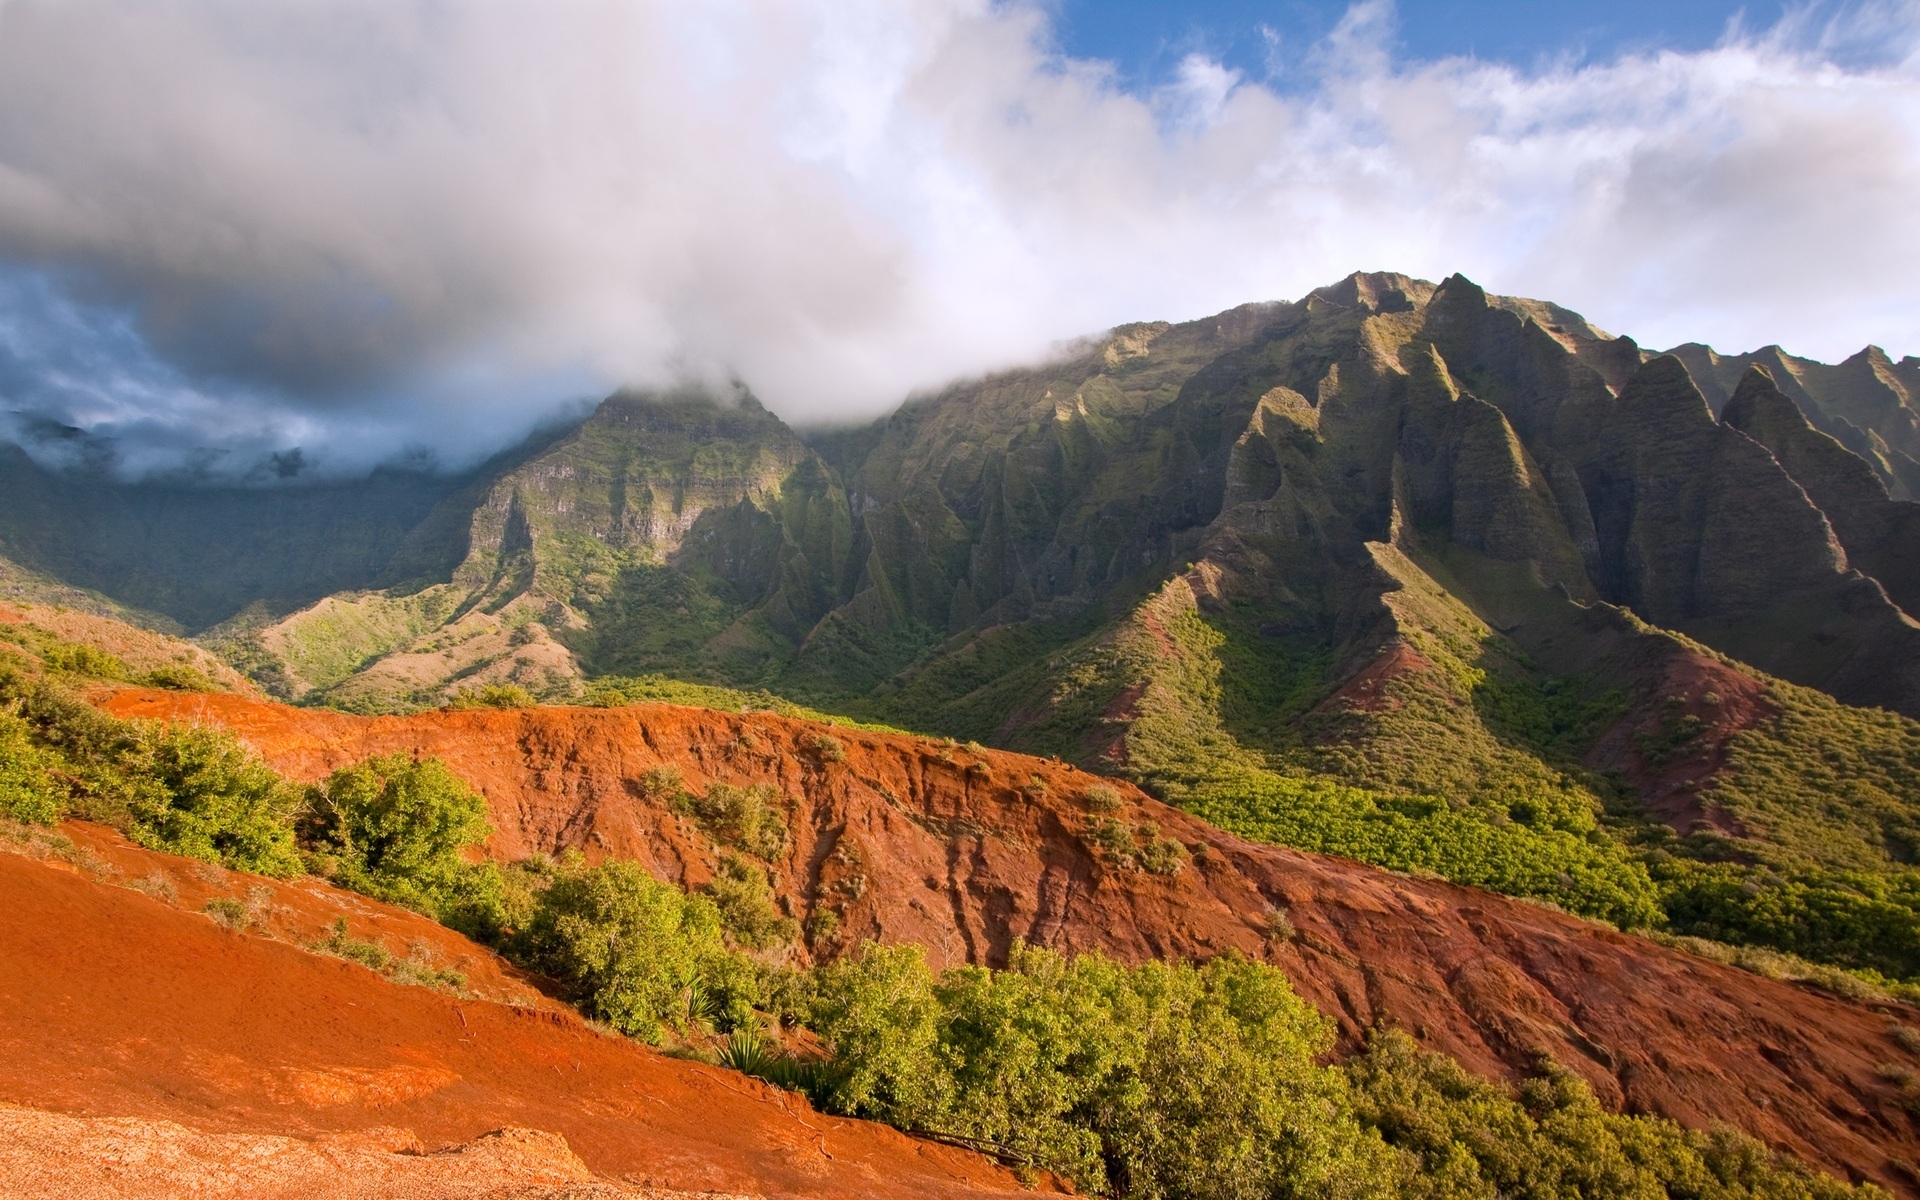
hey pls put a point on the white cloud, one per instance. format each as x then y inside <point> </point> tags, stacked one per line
<point>364,224</point>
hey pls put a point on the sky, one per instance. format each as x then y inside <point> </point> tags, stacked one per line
<point>381,230</point>
<point>1269,41</point>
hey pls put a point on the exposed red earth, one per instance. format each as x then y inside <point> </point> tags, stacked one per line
<point>1723,701</point>
<point>146,1051</point>
<point>912,839</point>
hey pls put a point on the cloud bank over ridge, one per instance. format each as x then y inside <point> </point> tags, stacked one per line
<point>370,226</point>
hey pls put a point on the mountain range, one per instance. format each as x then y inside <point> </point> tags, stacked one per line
<point>1451,584</point>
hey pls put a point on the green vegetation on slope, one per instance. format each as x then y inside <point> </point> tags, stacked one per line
<point>1825,801</point>
<point>1827,798</point>
<point>397,828</point>
<point>1162,1081</point>
<point>183,789</point>
<point>614,690</point>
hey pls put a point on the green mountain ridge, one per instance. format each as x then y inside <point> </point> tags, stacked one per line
<point>1439,580</point>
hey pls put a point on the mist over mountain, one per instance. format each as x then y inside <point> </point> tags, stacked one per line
<point>372,232</point>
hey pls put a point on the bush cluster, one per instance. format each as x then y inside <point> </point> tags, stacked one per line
<point>1189,1081</point>
<point>748,818</point>
<point>1161,1080</point>
<point>635,952</point>
<point>399,828</point>
<point>183,789</point>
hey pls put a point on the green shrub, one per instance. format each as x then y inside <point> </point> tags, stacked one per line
<point>601,694</point>
<point>1160,1080</point>
<point>745,818</point>
<point>1113,839</point>
<point>30,790</point>
<point>664,785</point>
<point>1163,856</point>
<point>73,658</point>
<point>181,678</point>
<point>634,952</point>
<point>196,791</point>
<point>494,695</point>
<point>417,968</point>
<point>1476,1140</point>
<point>399,828</point>
<point>1280,926</point>
<point>828,747</point>
<point>822,925</point>
<point>229,912</point>
<point>741,892</point>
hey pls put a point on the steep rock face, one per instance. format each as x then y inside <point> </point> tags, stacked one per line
<point>1385,411</point>
<point>140,1011</point>
<point>1448,485</point>
<point>1867,403</point>
<point>910,839</point>
<point>680,527</point>
<point>1881,535</point>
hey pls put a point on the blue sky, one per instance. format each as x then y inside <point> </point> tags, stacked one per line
<point>1266,39</point>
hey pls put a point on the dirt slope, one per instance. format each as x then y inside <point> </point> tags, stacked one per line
<point>50,1156</point>
<point>909,839</point>
<point>116,1004</point>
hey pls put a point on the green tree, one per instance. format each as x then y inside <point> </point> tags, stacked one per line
<point>1161,1081</point>
<point>197,791</point>
<point>29,791</point>
<point>399,828</point>
<point>634,952</point>
<point>1551,1140</point>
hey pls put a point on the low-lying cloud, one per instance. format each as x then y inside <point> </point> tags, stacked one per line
<point>375,227</point>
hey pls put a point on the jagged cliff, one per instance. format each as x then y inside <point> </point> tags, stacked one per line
<point>1332,536</point>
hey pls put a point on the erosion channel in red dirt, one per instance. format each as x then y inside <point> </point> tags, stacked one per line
<point>962,850</point>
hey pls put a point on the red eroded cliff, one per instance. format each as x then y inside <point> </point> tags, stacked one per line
<point>911,839</point>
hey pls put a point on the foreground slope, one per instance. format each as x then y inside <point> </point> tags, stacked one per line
<point>207,1047</point>
<point>963,850</point>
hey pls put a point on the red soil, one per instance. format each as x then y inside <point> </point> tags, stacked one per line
<point>907,843</point>
<point>132,1008</point>
<point>1367,689</point>
<point>50,1156</point>
<point>1688,684</point>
